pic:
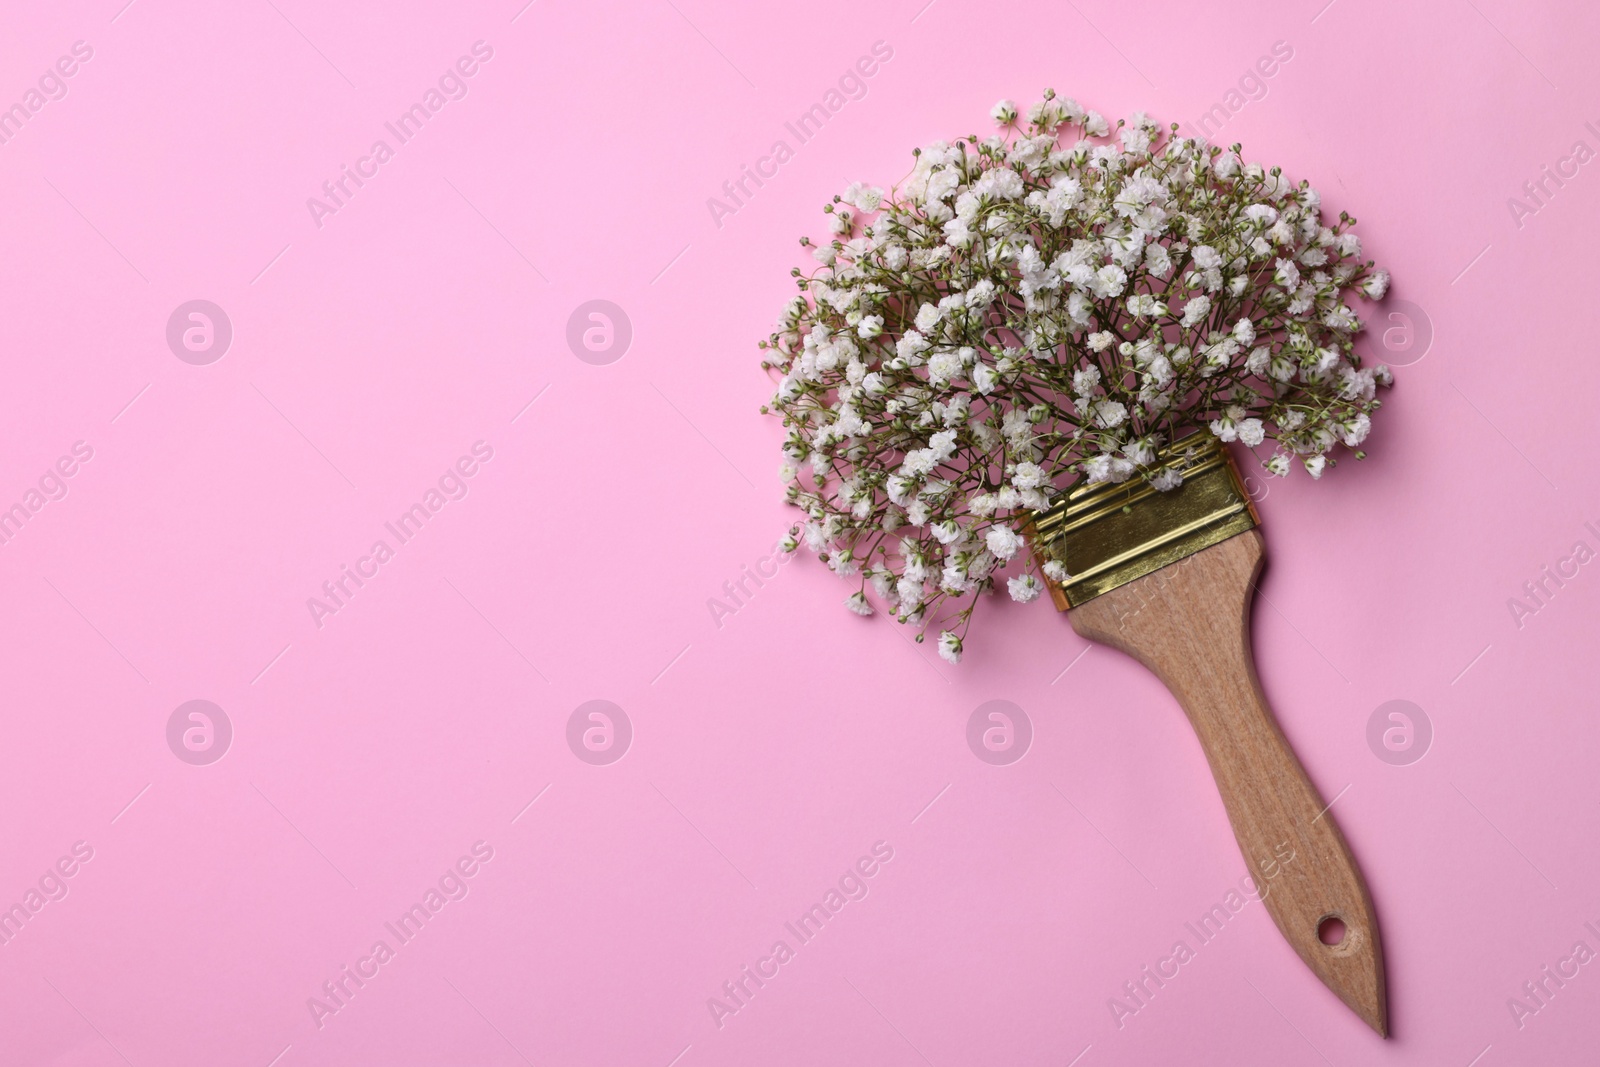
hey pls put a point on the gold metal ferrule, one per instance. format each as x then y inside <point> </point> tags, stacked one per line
<point>1107,535</point>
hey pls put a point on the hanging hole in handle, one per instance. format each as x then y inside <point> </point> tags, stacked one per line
<point>1331,931</point>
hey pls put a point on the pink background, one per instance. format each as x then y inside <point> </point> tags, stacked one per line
<point>772,751</point>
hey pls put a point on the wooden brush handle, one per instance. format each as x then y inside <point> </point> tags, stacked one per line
<point>1189,622</point>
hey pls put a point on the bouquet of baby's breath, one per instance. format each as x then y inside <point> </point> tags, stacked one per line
<point>1043,305</point>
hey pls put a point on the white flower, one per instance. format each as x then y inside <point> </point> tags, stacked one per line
<point>1166,479</point>
<point>1144,305</point>
<point>1056,571</point>
<point>1315,464</point>
<point>871,326</point>
<point>1003,183</point>
<point>954,579</point>
<point>1099,342</point>
<point>1024,589</point>
<point>957,233</point>
<point>1017,429</point>
<point>949,646</point>
<point>857,602</point>
<point>942,183</point>
<point>1157,259</point>
<point>928,316</point>
<point>1110,413</point>
<point>911,344</point>
<point>918,461</point>
<point>1003,541</point>
<point>1028,476</point>
<point>1078,308</point>
<point>1064,195</point>
<point>1140,451</point>
<point>1358,384</point>
<point>1004,113</point>
<point>1105,467</point>
<point>1109,280</point>
<point>863,197</point>
<point>1376,285</point>
<point>1029,153</point>
<point>1196,309</point>
<point>1251,432</point>
<point>944,365</point>
<point>1340,318</point>
<point>1084,380</point>
<point>1354,431</point>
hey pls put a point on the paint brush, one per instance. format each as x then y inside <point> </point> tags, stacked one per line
<point>1169,579</point>
<point>1047,337</point>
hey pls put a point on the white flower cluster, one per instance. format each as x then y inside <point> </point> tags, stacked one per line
<point>1055,301</point>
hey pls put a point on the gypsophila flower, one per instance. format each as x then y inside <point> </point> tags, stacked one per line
<point>1196,310</point>
<point>1024,589</point>
<point>1055,302</point>
<point>1166,479</point>
<point>1003,541</point>
<point>864,197</point>
<point>1028,476</point>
